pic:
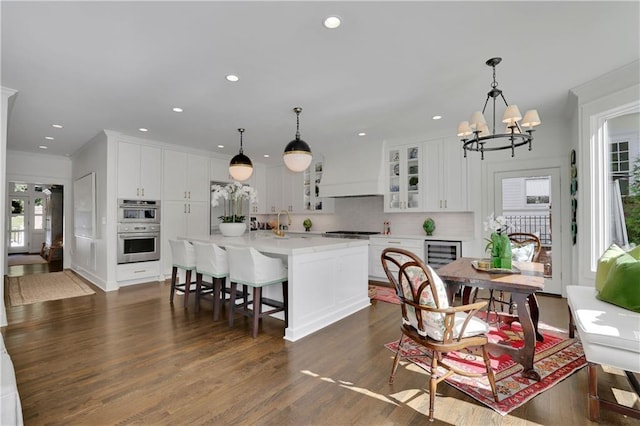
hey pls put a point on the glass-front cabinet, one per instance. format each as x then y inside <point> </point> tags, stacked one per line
<point>404,189</point>
<point>312,197</point>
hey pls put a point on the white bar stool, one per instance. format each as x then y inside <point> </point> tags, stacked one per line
<point>211,261</point>
<point>183,256</point>
<point>249,267</point>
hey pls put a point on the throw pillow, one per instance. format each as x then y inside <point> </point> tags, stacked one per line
<point>605,262</point>
<point>635,252</point>
<point>522,252</point>
<point>622,286</point>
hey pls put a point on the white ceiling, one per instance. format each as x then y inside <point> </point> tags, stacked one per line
<point>386,71</point>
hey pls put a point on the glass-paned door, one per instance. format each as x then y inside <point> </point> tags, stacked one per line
<point>19,222</point>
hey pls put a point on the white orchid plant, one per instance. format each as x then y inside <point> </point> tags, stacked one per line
<point>232,196</point>
<point>497,226</point>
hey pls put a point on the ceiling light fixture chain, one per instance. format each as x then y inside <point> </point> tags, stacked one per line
<point>475,133</point>
<point>241,167</point>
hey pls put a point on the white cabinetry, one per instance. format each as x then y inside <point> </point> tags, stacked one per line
<point>139,171</point>
<point>220,170</point>
<point>404,186</point>
<point>259,182</point>
<point>311,190</point>
<point>185,207</point>
<point>274,189</point>
<point>446,176</point>
<point>378,243</point>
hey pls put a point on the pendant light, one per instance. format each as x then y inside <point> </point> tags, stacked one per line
<point>240,167</point>
<point>297,154</point>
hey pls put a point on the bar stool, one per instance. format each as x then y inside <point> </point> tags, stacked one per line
<point>183,256</point>
<point>211,261</point>
<point>249,267</point>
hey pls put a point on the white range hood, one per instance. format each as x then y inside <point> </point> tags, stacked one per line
<point>353,171</point>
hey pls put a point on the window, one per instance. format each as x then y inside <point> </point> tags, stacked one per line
<point>20,187</point>
<point>38,214</point>
<point>537,191</point>
<point>620,165</point>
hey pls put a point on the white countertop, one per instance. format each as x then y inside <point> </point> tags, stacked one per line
<point>267,242</point>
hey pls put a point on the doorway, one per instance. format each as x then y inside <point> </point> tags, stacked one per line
<point>530,200</point>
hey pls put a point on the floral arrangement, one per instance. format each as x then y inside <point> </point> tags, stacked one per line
<point>496,224</point>
<point>232,196</point>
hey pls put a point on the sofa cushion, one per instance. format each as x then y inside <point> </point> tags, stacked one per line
<point>635,252</point>
<point>622,286</point>
<point>605,262</point>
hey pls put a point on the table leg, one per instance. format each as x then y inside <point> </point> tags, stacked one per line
<point>525,355</point>
<point>532,300</point>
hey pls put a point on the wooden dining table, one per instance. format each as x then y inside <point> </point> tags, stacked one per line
<point>522,285</point>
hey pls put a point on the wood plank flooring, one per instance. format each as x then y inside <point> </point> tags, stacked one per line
<point>129,357</point>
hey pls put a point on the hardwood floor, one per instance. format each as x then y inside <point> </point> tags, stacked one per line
<point>129,357</point>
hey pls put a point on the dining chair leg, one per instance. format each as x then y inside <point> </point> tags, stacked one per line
<point>174,277</point>
<point>232,302</point>
<point>187,288</point>
<point>396,361</point>
<point>217,294</point>
<point>285,298</point>
<point>433,385</point>
<point>257,309</point>
<point>490,375</point>
<point>198,288</point>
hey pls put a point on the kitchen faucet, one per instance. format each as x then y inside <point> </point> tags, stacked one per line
<point>278,231</point>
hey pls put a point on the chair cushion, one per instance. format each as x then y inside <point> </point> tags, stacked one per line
<point>433,321</point>
<point>522,252</point>
<point>635,252</point>
<point>622,286</point>
<point>605,262</point>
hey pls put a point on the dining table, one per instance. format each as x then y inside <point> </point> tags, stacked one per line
<point>523,280</point>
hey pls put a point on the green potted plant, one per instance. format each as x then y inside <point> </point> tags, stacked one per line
<point>307,224</point>
<point>429,225</point>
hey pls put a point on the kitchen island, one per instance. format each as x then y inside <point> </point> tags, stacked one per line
<point>328,277</point>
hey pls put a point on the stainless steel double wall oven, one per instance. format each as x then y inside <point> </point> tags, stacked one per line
<point>138,231</point>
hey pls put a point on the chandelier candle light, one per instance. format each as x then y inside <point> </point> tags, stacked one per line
<point>475,134</point>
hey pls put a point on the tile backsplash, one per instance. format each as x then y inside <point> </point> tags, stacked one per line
<point>367,214</point>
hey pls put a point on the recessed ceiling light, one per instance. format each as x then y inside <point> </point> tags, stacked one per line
<point>142,129</point>
<point>57,126</point>
<point>220,146</point>
<point>49,138</point>
<point>176,109</point>
<point>332,22</point>
<point>362,134</point>
<point>43,147</point>
<point>266,156</point>
<point>232,77</point>
<point>437,117</point>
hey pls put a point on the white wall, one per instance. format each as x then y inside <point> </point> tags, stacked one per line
<point>5,106</point>
<point>91,257</point>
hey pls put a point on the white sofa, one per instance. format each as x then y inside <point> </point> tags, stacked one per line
<point>10,407</point>
<point>610,335</point>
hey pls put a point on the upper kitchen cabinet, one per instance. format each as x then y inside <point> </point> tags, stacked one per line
<point>313,201</point>
<point>258,181</point>
<point>445,177</point>
<point>186,176</point>
<point>220,170</point>
<point>139,171</point>
<point>274,201</point>
<point>404,186</point>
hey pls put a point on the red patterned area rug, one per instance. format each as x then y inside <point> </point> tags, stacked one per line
<point>383,294</point>
<point>556,358</point>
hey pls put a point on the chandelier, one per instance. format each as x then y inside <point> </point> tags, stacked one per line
<point>475,134</point>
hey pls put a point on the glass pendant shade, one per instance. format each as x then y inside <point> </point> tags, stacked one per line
<point>297,154</point>
<point>240,167</point>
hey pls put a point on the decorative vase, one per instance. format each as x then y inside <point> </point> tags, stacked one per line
<point>429,225</point>
<point>231,229</point>
<point>496,250</point>
<point>505,256</point>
